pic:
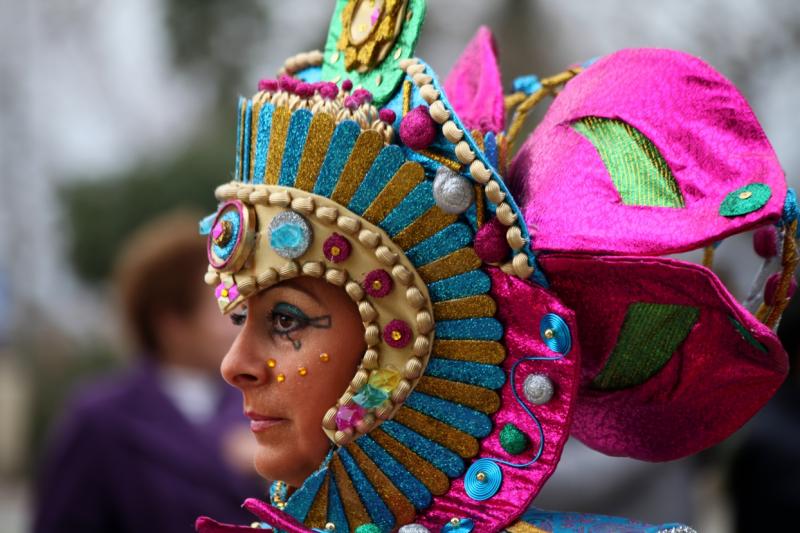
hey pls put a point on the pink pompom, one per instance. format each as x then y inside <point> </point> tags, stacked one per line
<point>771,288</point>
<point>268,85</point>
<point>347,85</point>
<point>490,242</point>
<point>328,90</point>
<point>417,129</point>
<point>387,115</point>
<point>350,102</point>
<point>287,83</point>
<point>765,241</point>
<point>362,95</point>
<point>304,90</point>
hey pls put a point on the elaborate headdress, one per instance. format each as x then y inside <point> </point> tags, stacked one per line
<point>493,331</point>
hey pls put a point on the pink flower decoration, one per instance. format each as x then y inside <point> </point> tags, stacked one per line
<point>287,83</point>
<point>328,90</point>
<point>336,248</point>
<point>226,292</point>
<point>351,102</point>
<point>397,334</point>
<point>378,283</point>
<point>349,415</point>
<point>304,90</point>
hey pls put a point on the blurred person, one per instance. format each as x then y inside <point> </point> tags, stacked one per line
<point>149,449</point>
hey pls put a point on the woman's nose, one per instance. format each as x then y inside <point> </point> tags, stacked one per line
<point>244,366</point>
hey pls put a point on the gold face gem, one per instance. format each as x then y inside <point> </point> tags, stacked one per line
<point>455,522</point>
<point>324,357</point>
<point>224,293</point>
<point>396,335</point>
<point>280,378</point>
<point>335,251</point>
<point>744,195</point>
<point>271,363</point>
<point>302,371</point>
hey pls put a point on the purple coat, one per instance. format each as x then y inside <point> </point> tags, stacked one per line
<point>126,460</point>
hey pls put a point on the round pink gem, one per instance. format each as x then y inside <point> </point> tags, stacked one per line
<point>417,129</point>
<point>349,415</point>
<point>217,231</point>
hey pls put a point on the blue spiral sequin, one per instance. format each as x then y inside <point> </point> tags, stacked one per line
<point>483,479</point>
<point>555,333</point>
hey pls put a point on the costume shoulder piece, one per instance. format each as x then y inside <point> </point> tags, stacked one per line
<point>497,324</point>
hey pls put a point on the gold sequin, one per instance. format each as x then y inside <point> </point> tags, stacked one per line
<point>353,508</point>
<point>488,352</point>
<point>549,333</point>
<point>745,195</point>
<point>277,140</point>
<point>469,307</point>
<point>446,161</point>
<point>367,147</point>
<point>318,514</point>
<point>271,363</point>
<point>431,477</point>
<point>403,182</point>
<point>463,444</point>
<point>458,262</point>
<point>396,335</point>
<point>484,400</point>
<point>324,357</point>
<point>429,223</point>
<point>402,509</point>
<point>317,141</point>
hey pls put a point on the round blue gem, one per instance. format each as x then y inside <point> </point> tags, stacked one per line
<point>289,235</point>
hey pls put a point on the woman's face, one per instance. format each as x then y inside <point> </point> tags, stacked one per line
<point>299,347</point>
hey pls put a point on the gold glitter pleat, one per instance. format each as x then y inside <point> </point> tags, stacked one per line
<point>458,262</point>
<point>524,527</point>
<point>429,475</point>
<point>488,352</point>
<point>319,137</point>
<point>403,182</point>
<point>402,509</point>
<point>318,514</point>
<point>406,97</point>
<point>477,135</point>
<point>429,223</point>
<point>446,161</point>
<point>277,142</point>
<point>469,307</point>
<point>367,147</point>
<point>258,103</point>
<point>478,398</point>
<point>463,444</point>
<point>353,508</point>
<point>480,206</point>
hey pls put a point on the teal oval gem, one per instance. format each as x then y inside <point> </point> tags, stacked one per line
<point>745,200</point>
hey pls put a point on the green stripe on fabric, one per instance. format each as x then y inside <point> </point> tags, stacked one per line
<point>638,170</point>
<point>649,336</point>
<point>746,335</point>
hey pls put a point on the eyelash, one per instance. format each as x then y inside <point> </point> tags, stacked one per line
<point>238,319</point>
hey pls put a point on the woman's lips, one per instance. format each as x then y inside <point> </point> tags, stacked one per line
<point>260,423</point>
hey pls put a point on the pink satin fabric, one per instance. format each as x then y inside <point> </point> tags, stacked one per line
<point>697,119</point>
<point>711,386</point>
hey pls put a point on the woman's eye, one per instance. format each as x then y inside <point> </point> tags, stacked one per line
<point>283,323</point>
<point>238,319</point>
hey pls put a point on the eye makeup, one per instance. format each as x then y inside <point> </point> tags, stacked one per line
<point>288,318</point>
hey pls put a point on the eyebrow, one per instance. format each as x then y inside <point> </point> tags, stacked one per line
<point>289,284</point>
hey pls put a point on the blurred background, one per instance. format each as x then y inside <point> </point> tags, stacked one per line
<point>112,112</point>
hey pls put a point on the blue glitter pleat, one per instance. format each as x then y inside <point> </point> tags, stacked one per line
<point>380,514</point>
<point>460,286</point>
<point>223,252</point>
<point>487,376</point>
<point>342,141</point>
<point>379,174</point>
<point>442,243</point>
<point>410,208</point>
<point>335,507</point>
<point>300,502</point>
<point>295,144</point>
<point>239,138</point>
<point>246,141</point>
<point>443,459</point>
<point>407,483</point>
<point>490,148</point>
<point>487,329</point>
<point>453,414</point>
<point>262,142</point>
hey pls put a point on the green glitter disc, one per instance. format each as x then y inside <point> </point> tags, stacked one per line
<point>513,440</point>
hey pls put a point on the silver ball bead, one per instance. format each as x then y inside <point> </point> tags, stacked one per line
<point>452,192</point>
<point>538,389</point>
<point>413,528</point>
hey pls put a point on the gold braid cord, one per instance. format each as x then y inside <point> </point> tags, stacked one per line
<point>789,261</point>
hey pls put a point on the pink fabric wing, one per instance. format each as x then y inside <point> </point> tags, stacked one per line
<point>474,87</point>
<point>697,120</point>
<point>713,383</point>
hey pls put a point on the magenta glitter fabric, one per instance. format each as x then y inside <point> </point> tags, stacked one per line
<point>417,129</point>
<point>713,383</point>
<point>697,119</point>
<point>490,242</point>
<point>520,307</point>
<point>474,86</point>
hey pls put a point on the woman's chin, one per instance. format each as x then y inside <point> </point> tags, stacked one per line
<point>285,464</point>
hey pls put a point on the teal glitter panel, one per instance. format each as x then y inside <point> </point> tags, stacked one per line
<point>246,141</point>
<point>239,138</point>
<point>300,502</point>
<point>262,142</point>
<point>460,286</point>
<point>443,459</point>
<point>378,511</point>
<point>411,208</point>
<point>335,507</point>
<point>295,144</point>
<point>407,483</point>
<point>486,376</point>
<point>442,243</point>
<point>379,174</point>
<point>342,141</point>
<point>453,414</point>
<point>487,329</point>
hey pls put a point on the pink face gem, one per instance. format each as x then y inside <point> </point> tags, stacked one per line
<point>349,415</point>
